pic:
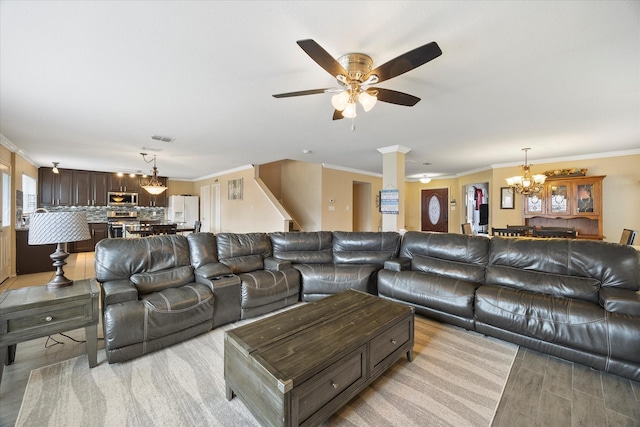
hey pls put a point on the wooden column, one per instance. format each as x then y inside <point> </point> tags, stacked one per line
<point>393,159</point>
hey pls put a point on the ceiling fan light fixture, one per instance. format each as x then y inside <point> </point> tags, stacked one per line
<point>339,101</point>
<point>350,110</point>
<point>367,101</point>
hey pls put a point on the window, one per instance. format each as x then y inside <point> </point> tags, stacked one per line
<point>28,194</point>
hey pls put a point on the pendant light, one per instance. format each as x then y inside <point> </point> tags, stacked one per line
<point>154,186</point>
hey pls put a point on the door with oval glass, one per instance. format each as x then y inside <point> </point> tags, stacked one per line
<point>435,214</point>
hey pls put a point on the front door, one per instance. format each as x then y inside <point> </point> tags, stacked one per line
<point>435,215</point>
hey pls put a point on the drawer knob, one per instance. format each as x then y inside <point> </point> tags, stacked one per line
<point>48,318</point>
<point>334,385</point>
<point>393,342</point>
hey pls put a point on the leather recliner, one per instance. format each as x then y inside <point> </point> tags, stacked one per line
<point>266,284</point>
<point>332,262</point>
<point>150,297</point>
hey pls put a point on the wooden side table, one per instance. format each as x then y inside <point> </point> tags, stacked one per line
<point>35,312</point>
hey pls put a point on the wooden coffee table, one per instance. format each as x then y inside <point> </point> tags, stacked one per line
<point>300,366</point>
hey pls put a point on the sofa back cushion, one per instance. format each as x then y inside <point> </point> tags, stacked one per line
<point>358,247</point>
<point>303,247</point>
<point>147,283</point>
<point>608,264</point>
<point>243,253</point>
<point>117,259</point>
<point>458,256</point>
<point>203,249</point>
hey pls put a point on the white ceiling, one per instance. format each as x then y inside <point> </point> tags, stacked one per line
<point>86,83</point>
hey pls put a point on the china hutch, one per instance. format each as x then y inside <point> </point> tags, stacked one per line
<point>573,202</point>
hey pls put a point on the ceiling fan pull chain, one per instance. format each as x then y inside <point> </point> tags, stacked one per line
<point>353,124</point>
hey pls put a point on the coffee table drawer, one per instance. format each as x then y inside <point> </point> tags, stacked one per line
<point>389,341</point>
<point>327,387</point>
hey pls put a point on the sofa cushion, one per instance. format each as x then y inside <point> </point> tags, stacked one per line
<point>437,292</point>
<point>452,269</point>
<point>303,247</point>
<point>463,248</point>
<point>243,253</point>
<point>559,285</point>
<point>613,265</point>
<point>263,287</point>
<point>319,280</point>
<point>121,258</point>
<point>567,322</point>
<point>147,283</point>
<point>202,248</point>
<point>365,247</point>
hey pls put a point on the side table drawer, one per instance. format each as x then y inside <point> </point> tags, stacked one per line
<point>41,321</point>
<point>389,341</point>
<point>341,378</point>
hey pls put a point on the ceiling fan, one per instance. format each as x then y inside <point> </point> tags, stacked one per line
<point>355,77</point>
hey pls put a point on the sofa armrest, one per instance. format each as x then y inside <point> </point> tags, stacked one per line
<point>619,300</point>
<point>115,291</point>
<point>398,264</point>
<point>276,264</point>
<point>211,270</point>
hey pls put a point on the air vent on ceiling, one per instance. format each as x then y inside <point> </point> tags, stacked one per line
<point>162,138</point>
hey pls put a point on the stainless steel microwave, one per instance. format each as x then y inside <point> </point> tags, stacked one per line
<point>115,198</point>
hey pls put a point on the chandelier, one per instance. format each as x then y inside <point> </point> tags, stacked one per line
<point>154,186</point>
<point>354,88</point>
<point>527,185</point>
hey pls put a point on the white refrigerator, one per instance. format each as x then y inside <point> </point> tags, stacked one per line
<point>183,209</point>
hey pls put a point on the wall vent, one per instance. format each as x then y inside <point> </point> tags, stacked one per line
<point>162,138</point>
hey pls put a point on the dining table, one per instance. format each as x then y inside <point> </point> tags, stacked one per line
<point>144,229</point>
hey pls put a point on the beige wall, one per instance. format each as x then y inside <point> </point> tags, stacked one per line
<point>301,192</point>
<point>621,194</point>
<point>254,213</point>
<point>337,185</point>
<point>179,188</point>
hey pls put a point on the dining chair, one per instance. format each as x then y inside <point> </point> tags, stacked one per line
<point>555,232</point>
<point>164,229</point>
<point>507,232</point>
<point>527,229</point>
<point>466,228</point>
<point>628,236</point>
<point>196,226</point>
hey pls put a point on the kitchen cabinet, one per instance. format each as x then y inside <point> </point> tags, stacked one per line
<point>574,202</point>
<point>98,232</point>
<point>90,188</point>
<point>146,199</point>
<point>124,183</point>
<point>55,189</point>
<point>32,258</point>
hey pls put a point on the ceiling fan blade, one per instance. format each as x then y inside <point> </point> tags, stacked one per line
<point>407,62</point>
<point>300,93</point>
<point>393,97</point>
<point>337,115</point>
<point>322,57</point>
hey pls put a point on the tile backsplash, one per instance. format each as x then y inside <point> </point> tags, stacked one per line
<point>99,213</point>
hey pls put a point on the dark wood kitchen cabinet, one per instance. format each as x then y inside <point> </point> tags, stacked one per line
<point>55,189</point>
<point>98,232</point>
<point>125,183</point>
<point>32,258</point>
<point>90,188</point>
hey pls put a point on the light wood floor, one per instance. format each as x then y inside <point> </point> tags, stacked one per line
<point>541,391</point>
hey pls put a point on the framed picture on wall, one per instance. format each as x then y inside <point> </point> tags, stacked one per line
<point>235,189</point>
<point>506,198</point>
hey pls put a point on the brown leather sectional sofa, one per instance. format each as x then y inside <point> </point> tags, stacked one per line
<point>574,299</point>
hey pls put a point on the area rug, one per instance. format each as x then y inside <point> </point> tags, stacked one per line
<point>456,378</point>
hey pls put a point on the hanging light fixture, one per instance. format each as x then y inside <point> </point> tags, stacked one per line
<point>154,186</point>
<point>354,86</point>
<point>55,167</point>
<point>425,179</point>
<point>527,184</point>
